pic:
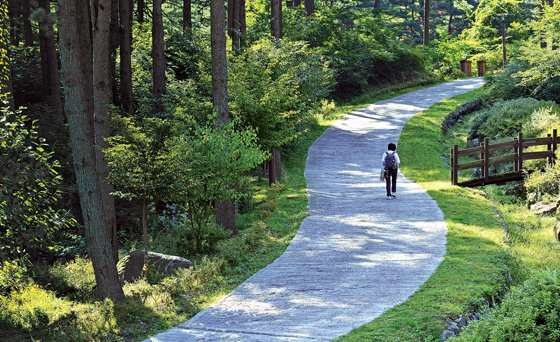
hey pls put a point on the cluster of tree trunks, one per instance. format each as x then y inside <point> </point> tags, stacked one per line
<point>88,70</point>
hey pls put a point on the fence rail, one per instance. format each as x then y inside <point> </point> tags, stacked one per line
<point>517,157</point>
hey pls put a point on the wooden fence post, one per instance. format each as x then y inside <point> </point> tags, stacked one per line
<point>554,144</point>
<point>549,148</point>
<point>520,153</point>
<point>455,163</point>
<point>515,162</point>
<point>486,161</point>
<point>451,164</point>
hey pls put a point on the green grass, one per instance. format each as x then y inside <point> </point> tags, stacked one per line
<point>476,263</point>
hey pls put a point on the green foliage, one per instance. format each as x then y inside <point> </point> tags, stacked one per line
<point>236,248</point>
<point>446,52</point>
<point>74,279</point>
<point>143,157</point>
<point>505,118</point>
<point>543,184</point>
<point>28,189</point>
<point>215,157</point>
<point>529,312</point>
<point>272,87</point>
<point>542,122</point>
<point>35,308</point>
<point>542,74</point>
<point>505,84</point>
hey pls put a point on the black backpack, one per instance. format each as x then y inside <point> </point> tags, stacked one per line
<point>390,161</point>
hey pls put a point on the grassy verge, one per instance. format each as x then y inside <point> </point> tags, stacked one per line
<point>152,305</point>
<point>476,264</point>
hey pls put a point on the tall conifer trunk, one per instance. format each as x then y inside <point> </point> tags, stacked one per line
<point>102,94</point>
<point>158,47</point>
<point>5,71</point>
<point>426,22</point>
<point>225,210</point>
<point>125,11</point>
<point>77,72</point>
<point>27,32</point>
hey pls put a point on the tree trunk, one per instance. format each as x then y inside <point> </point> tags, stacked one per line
<point>271,169</point>
<point>113,46</point>
<point>158,55</point>
<point>145,224</point>
<point>219,61</point>
<point>377,4</point>
<point>49,61</point>
<point>27,32</point>
<point>278,163</point>
<point>297,3</point>
<point>5,70</point>
<point>235,25</point>
<point>77,72</point>
<point>187,15</point>
<point>125,10</point>
<point>450,19</point>
<point>426,22</point>
<point>102,94</point>
<point>140,9</point>
<point>276,18</point>
<point>242,23</point>
<point>225,210</point>
<point>309,7</point>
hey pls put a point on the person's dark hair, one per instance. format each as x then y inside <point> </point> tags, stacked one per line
<point>392,147</point>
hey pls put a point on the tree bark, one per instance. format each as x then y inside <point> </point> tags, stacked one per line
<point>225,210</point>
<point>125,11</point>
<point>113,46</point>
<point>158,55</point>
<point>309,7</point>
<point>27,32</point>
<point>271,169</point>
<point>235,24</point>
<point>140,9</point>
<point>187,15</point>
<point>49,61</point>
<point>377,4</point>
<point>278,163</point>
<point>426,22</point>
<point>276,18</point>
<point>102,94</point>
<point>77,72</point>
<point>242,23</point>
<point>297,3</point>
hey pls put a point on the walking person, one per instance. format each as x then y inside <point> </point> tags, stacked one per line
<point>391,163</point>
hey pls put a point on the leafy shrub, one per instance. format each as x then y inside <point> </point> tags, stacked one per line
<point>505,118</point>
<point>542,122</point>
<point>35,308</point>
<point>13,274</point>
<point>74,279</point>
<point>530,312</point>
<point>200,236</point>
<point>543,184</point>
<point>28,189</point>
<point>238,246</point>
<point>504,84</point>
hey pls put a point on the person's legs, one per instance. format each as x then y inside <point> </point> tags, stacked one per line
<point>394,180</point>
<point>388,182</point>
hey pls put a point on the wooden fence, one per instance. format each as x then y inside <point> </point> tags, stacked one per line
<point>517,157</point>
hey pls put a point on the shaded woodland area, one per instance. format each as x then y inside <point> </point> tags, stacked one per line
<point>153,125</point>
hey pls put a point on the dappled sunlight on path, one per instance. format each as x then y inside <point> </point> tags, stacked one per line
<point>356,254</point>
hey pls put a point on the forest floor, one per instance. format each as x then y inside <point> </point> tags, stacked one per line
<point>356,254</point>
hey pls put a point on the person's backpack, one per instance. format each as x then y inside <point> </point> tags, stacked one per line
<point>390,161</point>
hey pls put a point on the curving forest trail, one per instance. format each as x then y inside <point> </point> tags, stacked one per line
<point>356,254</point>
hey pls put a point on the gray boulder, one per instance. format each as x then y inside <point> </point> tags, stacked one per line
<point>544,208</point>
<point>131,266</point>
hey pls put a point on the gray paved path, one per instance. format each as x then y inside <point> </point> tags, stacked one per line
<point>356,254</point>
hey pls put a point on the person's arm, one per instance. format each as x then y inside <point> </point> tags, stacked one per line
<point>383,158</point>
<point>397,159</point>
